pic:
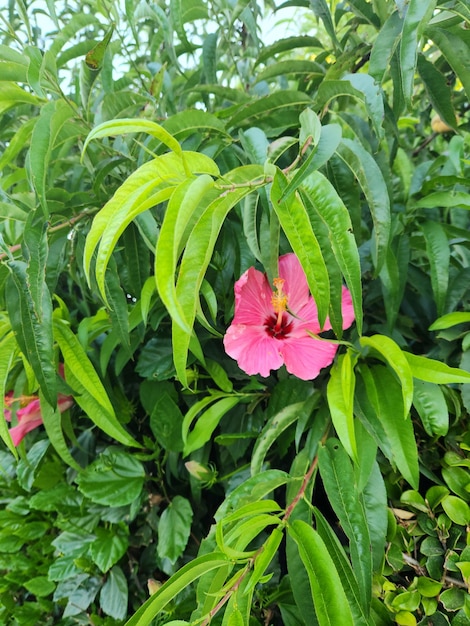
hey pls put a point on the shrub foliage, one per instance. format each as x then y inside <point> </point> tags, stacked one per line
<point>152,152</point>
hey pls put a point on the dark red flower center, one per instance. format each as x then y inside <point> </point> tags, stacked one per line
<point>278,326</point>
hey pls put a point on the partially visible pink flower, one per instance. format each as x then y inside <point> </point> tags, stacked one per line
<point>271,327</point>
<point>29,415</point>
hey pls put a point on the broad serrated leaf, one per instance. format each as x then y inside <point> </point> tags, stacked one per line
<point>429,401</point>
<point>115,478</point>
<point>114,594</point>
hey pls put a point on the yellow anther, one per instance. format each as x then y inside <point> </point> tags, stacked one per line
<point>279,298</point>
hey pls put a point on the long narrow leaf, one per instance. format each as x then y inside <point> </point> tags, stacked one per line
<point>329,598</point>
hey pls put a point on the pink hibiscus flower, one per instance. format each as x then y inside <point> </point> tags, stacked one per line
<point>29,415</point>
<point>271,328</point>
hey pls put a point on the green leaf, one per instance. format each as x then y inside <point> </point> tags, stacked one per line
<point>116,478</point>
<point>89,391</point>
<point>124,126</point>
<point>322,11</point>
<point>174,529</point>
<point>450,319</point>
<point>372,183</point>
<point>296,225</point>
<point>338,479</point>
<point>340,395</point>
<point>280,108</point>
<point>417,15</point>
<point>386,397</point>
<point>345,571</point>
<point>431,405</point>
<point>438,253</point>
<point>209,57</point>
<point>182,212</point>
<point>166,422</point>
<point>444,199</point>
<point>95,57</point>
<point>433,371</point>
<point>272,430</point>
<point>109,546</point>
<point>8,352</point>
<point>438,91</point>
<point>456,52</point>
<point>32,322</point>
<point>207,422</point>
<point>51,418</point>
<point>264,557</point>
<point>114,594</point>
<point>44,137</point>
<point>456,509</point>
<point>320,154</point>
<point>335,216</point>
<point>198,253</point>
<point>329,598</point>
<point>391,354</point>
<point>170,589</point>
<point>374,499</point>
<point>384,46</point>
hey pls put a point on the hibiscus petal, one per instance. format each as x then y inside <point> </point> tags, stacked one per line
<point>19,431</point>
<point>347,309</point>
<point>252,298</point>
<point>296,286</point>
<point>305,356</point>
<point>253,349</point>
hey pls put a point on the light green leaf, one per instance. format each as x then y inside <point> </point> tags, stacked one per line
<point>198,253</point>
<point>456,52</point>
<point>329,597</point>
<point>207,422</point>
<point>340,395</point>
<point>384,46</point>
<point>391,354</point>
<point>434,371</point>
<point>179,581</point>
<point>264,558</point>
<point>451,319</point>
<point>124,126</point>
<point>182,213</point>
